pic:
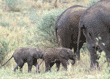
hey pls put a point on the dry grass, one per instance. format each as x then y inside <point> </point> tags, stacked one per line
<point>80,70</point>
<point>14,26</point>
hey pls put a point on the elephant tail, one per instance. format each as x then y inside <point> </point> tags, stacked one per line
<point>78,40</point>
<point>7,61</point>
<point>81,27</point>
<point>56,34</point>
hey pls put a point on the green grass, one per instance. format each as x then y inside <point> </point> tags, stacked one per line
<point>18,29</point>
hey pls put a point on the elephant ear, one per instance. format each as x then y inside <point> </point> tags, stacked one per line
<point>64,54</point>
<point>71,54</point>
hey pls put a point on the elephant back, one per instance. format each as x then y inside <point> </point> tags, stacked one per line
<point>21,52</point>
<point>51,51</point>
<point>67,25</point>
<point>66,16</point>
<point>63,53</point>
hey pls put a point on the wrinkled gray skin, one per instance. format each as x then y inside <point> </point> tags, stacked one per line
<point>95,24</point>
<point>67,28</point>
<point>58,55</point>
<point>29,55</point>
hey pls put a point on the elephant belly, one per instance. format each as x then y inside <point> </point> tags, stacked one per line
<point>52,58</point>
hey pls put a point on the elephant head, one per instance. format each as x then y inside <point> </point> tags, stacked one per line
<point>67,53</point>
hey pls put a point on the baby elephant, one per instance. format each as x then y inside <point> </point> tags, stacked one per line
<point>58,55</point>
<point>29,55</point>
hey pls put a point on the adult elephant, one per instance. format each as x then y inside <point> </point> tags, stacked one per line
<point>95,24</point>
<point>67,27</point>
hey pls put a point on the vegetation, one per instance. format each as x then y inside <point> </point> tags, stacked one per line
<point>46,26</point>
<point>92,2</point>
<point>3,49</point>
<point>24,25</point>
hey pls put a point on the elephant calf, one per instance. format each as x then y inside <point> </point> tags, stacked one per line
<point>57,55</point>
<point>29,55</point>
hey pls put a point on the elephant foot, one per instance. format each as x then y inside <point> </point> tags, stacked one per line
<point>95,68</point>
<point>73,62</point>
<point>78,57</point>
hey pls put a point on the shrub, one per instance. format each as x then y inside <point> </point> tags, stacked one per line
<point>45,28</point>
<point>32,16</point>
<point>92,2</point>
<point>29,37</point>
<point>104,65</point>
<point>4,23</point>
<point>3,49</point>
<point>12,4</point>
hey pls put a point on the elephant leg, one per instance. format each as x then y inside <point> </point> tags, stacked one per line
<point>77,53</point>
<point>93,56</point>
<point>67,62</point>
<point>75,49</point>
<point>29,67</point>
<point>106,48</point>
<point>108,57</point>
<point>64,64</point>
<point>73,62</point>
<point>36,65</point>
<point>15,68</point>
<point>20,63</point>
<point>47,66</point>
<point>51,64</point>
<point>58,65</point>
<point>30,63</point>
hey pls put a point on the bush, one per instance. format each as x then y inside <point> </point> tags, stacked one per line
<point>4,23</point>
<point>104,65</point>
<point>29,37</point>
<point>92,2</point>
<point>12,4</point>
<point>3,49</point>
<point>46,25</point>
<point>32,16</point>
